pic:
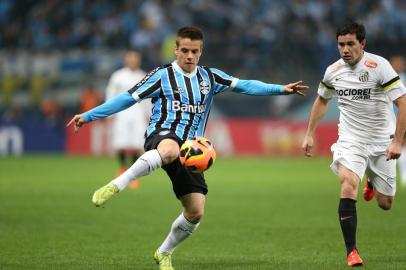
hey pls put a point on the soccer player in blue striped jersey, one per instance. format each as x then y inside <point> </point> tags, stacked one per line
<point>182,93</point>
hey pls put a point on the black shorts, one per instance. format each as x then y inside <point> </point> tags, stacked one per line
<point>184,181</point>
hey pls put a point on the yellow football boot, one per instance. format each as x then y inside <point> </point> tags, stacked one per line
<point>163,260</point>
<point>104,193</point>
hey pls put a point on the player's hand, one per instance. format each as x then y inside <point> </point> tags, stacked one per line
<point>295,88</point>
<point>393,151</point>
<point>78,121</point>
<point>307,146</point>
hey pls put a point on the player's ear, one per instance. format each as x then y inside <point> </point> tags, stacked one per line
<point>363,43</point>
<point>176,50</point>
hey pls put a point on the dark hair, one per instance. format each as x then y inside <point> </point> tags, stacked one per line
<point>352,28</point>
<point>191,32</point>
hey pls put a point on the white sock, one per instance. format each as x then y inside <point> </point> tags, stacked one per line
<point>402,165</point>
<point>146,163</point>
<point>180,230</point>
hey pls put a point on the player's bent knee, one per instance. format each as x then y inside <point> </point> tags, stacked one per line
<point>348,189</point>
<point>168,150</point>
<point>385,204</point>
<point>384,201</point>
<point>195,215</point>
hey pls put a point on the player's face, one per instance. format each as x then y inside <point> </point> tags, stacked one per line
<point>132,60</point>
<point>351,50</point>
<point>188,53</point>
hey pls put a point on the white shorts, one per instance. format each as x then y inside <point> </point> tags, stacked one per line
<point>366,159</point>
<point>127,134</point>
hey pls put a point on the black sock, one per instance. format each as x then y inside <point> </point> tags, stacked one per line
<point>121,158</point>
<point>347,214</point>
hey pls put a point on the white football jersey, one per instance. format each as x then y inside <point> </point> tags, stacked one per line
<point>123,80</point>
<point>128,126</point>
<point>365,93</point>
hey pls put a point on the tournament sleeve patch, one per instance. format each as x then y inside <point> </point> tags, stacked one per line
<point>388,85</point>
<point>326,86</point>
<point>144,80</point>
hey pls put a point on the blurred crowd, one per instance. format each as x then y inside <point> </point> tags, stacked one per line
<point>273,40</point>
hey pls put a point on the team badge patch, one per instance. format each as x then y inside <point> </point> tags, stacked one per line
<point>363,76</point>
<point>370,64</point>
<point>204,87</point>
<point>178,90</point>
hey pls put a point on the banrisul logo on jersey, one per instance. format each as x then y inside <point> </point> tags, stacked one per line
<point>204,87</point>
<point>363,76</point>
<point>190,108</point>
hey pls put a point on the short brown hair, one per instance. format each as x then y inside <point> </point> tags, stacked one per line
<point>352,28</point>
<point>191,32</point>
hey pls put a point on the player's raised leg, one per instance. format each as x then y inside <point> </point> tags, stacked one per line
<point>135,154</point>
<point>384,201</point>
<point>166,152</point>
<point>348,214</point>
<point>148,162</point>
<point>183,227</point>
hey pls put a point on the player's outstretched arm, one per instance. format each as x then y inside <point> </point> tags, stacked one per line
<point>319,109</point>
<point>78,121</point>
<point>295,88</point>
<point>259,88</point>
<point>112,106</point>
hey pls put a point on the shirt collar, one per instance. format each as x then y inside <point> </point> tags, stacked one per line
<point>179,69</point>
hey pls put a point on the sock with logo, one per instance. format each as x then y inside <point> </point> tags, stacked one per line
<point>147,162</point>
<point>347,214</point>
<point>180,230</point>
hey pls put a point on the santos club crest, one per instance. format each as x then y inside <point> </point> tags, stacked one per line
<point>363,76</point>
<point>204,87</point>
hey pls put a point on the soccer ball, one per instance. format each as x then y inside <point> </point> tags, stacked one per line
<point>197,154</point>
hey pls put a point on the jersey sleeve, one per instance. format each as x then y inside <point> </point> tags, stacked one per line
<point>390,81</point>
<point>111,106</point>
<point>149,86</point>
<point>222,81</point>
<point>258,88</point>
<point>326,89</point>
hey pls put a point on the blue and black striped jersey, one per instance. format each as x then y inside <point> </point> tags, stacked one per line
<point>181,101</point>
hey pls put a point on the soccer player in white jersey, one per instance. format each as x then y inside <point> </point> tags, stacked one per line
<point>128,126</point>
<point>182,94</point>
<point>370,136</point>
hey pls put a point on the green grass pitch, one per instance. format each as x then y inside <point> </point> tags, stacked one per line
<point>261,213</point>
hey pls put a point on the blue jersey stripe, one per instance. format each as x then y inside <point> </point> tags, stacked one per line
<point>176,96</point>
<point>191,96</point>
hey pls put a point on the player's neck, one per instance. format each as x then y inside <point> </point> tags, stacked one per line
<point>181,70</point>
<point>359,59</point>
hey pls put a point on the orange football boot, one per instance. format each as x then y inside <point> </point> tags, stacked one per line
<point>353,259</point>
<point>134,184</point>
<point>368,191</point>
<point>121,170</point>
